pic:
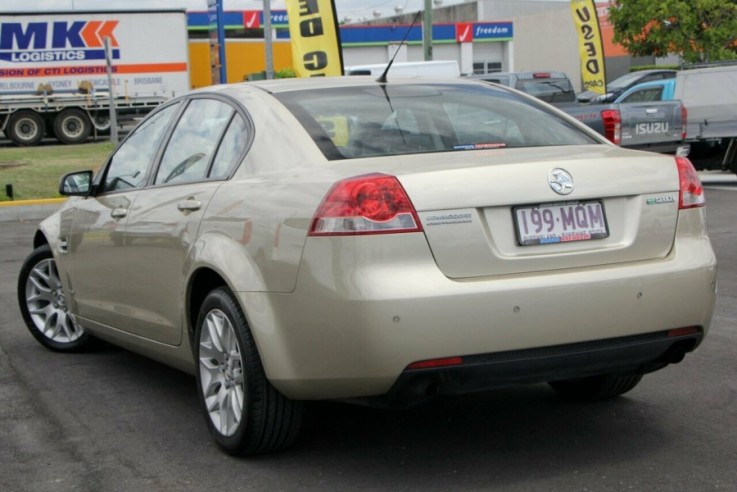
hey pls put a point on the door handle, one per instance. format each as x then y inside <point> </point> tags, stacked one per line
<point>119,213</point>
<point>651,110</point>
<point>63,245</point>
<point>189,205</point>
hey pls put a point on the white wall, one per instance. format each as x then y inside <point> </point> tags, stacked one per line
<point>489,52</point>
<point>544,39</point>
<point>548,41</point>
<point>365,55</point>
<point>505,10</point>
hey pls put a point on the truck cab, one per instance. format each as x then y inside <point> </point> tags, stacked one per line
<point>658,90</point>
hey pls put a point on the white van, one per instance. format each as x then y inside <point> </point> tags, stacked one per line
<point>440,68</point>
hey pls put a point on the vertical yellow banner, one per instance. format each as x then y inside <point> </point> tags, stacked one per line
<point>313,29</point>
<point>590,46</point>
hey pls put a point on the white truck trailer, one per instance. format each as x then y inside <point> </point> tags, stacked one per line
<point>53,71</point>
<point>710,95</point>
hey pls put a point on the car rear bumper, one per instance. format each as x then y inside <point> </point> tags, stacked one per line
<point>358,318</point>
<point>631,354</point>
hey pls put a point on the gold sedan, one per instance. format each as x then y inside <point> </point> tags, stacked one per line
<point>379,243</point>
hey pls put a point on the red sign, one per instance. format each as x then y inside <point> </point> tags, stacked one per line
<point>251,19</point>
<point>464,32</point>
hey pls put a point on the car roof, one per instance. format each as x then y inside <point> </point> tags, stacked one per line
<point>657,70</point>
<point>306,83</point>
<point>644,73</point>
<point>652,83</point>
<point>520,75</point>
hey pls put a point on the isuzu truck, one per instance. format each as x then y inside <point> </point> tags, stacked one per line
<point>54,76</point>
<point>709,93</point>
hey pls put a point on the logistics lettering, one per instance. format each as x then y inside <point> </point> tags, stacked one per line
<point>44,56</point>
<point>59,41</point>
<point>54,71</point>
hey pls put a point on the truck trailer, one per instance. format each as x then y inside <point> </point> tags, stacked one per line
<point>54,76</point>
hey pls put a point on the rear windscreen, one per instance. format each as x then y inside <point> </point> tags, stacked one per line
<point>376,120</point>
<point>547,89</point>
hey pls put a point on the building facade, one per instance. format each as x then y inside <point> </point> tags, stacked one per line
<point>482,36</point>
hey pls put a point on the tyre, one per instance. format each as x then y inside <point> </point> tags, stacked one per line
<point>25,128</point>
<point>246,415</point>
<point>598,387</point>
<point>101,122</point>
<point>43,304</point>
<point>72,126</point>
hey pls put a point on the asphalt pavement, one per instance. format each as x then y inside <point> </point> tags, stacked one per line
<point>114,421</point>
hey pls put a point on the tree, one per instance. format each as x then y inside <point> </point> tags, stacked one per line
<point>698,30</point>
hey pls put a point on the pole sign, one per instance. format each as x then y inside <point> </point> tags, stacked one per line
<point>216,27</point>
<point>313,29</point>
<point>590,46</point>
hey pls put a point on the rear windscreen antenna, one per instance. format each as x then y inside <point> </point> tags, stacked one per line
<point>382,77</point>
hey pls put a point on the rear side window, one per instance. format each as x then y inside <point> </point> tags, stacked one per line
<point>231,148</point>
<point>355,122</point>
<point>547,89</point>
<point>644,95</point>
<point>193,141</point>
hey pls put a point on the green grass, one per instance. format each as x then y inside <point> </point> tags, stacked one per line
<point>34,172</point>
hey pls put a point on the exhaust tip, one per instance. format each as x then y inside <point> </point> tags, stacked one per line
<point>423,388</point>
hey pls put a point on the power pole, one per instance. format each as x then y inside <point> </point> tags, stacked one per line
<point>427,31</point>
<point>267,41</point>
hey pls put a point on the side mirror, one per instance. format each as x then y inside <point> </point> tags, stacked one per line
<point>76,184</point>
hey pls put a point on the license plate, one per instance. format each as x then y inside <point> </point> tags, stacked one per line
<point>554,223</point>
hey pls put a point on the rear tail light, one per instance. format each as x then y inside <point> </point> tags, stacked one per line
<point>682,332</point>
<point>369,204</point>
<point>691,193</point>
<point>541,75</point>
<point>433,363</point>
<point>612,125</point>
<point>684,121</point>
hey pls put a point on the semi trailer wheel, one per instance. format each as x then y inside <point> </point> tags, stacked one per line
<point>72,126</point>
<point>25,128</point>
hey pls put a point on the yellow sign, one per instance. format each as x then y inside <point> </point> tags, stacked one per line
<point>313,30</point>
<point>589,45</point>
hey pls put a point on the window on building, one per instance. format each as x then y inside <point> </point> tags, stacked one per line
<point>482,67</point>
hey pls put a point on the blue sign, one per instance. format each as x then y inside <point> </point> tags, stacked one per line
<point>233,19</point>
<point>360,35</point>
<point>492,30</point>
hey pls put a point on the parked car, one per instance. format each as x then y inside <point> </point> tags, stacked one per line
<point>549,86</point>
<point>621,84</point>
<point>377,243</point>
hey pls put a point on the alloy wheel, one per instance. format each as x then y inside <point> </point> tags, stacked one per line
<point>47,306</point>
<point>221,372</point>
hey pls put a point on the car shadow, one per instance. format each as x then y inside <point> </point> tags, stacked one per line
<point>491,437</point>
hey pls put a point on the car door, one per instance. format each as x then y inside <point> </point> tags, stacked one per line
<point>94,255</point>
<point>162,225</point>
